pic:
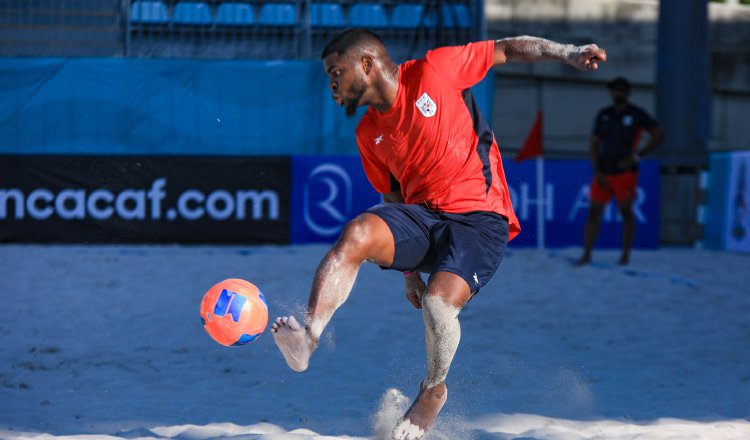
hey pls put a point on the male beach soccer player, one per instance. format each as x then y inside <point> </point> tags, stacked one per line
<point>447,213</point>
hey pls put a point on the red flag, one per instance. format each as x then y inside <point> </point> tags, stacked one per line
<point>532,147</point>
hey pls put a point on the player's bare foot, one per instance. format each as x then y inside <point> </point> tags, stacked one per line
<point>422,414</point>
<point>584,260</point>
<point>624,260</point>
<point>294,342</point>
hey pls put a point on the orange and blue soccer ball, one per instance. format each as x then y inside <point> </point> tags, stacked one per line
<point>234,312</point>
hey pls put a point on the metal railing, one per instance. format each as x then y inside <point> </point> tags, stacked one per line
<point>287,30</point>
<point>61,28</point>
<point>224,29</point>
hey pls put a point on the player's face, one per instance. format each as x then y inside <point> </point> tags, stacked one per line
<point>346,81</point>
<point>619,94</point>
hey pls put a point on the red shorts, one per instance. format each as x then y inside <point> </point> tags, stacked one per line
<point>622,186</point>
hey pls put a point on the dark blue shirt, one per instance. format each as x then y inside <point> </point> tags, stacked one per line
<point>620,133</point>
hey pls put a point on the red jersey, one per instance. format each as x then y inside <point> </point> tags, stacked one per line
<point>433,142</point>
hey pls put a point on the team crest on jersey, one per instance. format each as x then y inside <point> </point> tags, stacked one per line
<point>426,105</point>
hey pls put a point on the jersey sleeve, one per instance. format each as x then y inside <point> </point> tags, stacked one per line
<point>377,172</point>
<point>463,66</point>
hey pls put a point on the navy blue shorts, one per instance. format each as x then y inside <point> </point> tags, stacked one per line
<point>470,245</point>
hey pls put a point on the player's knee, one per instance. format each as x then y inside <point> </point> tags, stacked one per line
<point>437,309</point>
<point>595,211</point>
<point>627,214</point>
<point>355,239</point>
<point>449,288</point>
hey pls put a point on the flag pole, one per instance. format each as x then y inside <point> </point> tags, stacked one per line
<point>541,202</point>
<point>541,239</point>
<point>533,147</point>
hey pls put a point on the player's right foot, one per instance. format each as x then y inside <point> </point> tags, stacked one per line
<point>584,260</point>
<point>422,414</point>
<point>294,342</point>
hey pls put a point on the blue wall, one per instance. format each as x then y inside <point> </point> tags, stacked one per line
<point>147,106</point>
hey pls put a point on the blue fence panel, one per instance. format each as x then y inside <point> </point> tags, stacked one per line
<point>148,106</point>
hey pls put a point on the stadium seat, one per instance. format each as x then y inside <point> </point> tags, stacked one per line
<point>407,16</point>
<point>369,15</point>
<point>151,12</point>
<point>278,14</point>
<point>192,14</point>
<point>327,15</point>
<point>453,15</point>
<point>462,15</point>
<point>235,14</point>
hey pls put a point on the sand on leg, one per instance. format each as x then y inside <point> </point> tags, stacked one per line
<point>446,294</point>
<point>294,342</point>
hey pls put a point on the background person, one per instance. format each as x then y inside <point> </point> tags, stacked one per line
<point>614,157</point>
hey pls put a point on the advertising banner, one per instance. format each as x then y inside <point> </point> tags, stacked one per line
<point>727,208</point>
<point>298,199</point>
<point>128,199</point>
<point>330,190</point>
<point>327,191</point>
<point>564,204</point>
<point>737,226</point>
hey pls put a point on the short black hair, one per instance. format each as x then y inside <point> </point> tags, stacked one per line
<point>619,82</point>
<point>350,38</point>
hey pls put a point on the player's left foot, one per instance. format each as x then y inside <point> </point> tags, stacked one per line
<point>294,342</point>
<point>624,260</point>
<point>422,414</point>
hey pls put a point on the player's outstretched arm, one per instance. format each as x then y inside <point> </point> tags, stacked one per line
<point>527,49</point>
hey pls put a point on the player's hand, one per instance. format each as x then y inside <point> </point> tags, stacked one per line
<point>627,163</point>
<point>588,57</point>
<point>415,288</point>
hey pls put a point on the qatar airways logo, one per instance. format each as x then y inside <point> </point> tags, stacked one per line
<point>525,202</point>
<point>327,199</point>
